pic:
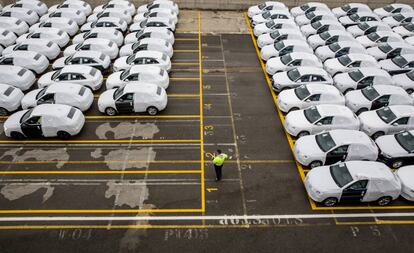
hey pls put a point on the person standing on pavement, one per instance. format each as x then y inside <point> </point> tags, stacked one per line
<point>218,162</point>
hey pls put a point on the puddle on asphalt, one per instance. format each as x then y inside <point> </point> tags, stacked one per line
<point>129,193</point>
<point>125,130</point>
<point>16,191</point>
<point>121,159</point>
<point>17,154</point>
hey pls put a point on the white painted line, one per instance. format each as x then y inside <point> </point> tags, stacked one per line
<point>207,218</point>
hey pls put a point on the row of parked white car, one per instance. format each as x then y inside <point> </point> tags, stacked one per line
<point>345,77</point>
<point>140,61</point>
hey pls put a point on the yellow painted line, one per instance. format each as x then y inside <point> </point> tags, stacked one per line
<point>200,73</point>
<point>185,78</point>
<point>185,29</point>
<point>289,138</point>
<point>169,95</point>
<point>98,141</point>
<point>184,63</point>
<point>97,172</point>
<point>185,39</point>
<point>100,211</point>
<point>186,51</point>
<point>136,117</point>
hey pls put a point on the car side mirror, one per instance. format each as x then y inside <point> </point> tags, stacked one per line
<point>319,124</point>
<point>395,124</point>
<point>307,100</point>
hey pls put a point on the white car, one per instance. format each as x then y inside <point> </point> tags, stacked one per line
<point>94,59</point>
<point>124,5</point>
<point>405,30</point>
<point>144,97</point>
<point>397,149</point>
<point>77,5</point>
<point>67,94</point>
<point>160,45</point>
<point>27,15</point>
<point>349,9</point>
<point>339,49</point>
<point>268,15</point>
<point>320,118</point>
<point>291,61</point>
<point>153,58</point>
<point>329,37</point>
<point>406,175</point>
<point>298,76</point>
<point>10,98</point>
<point>67,25</point>
<point>399,19</point>
<point>73,14</point>
<point>107,22</point>
<point>284,47</point>
<point>405,80</point>
<point>375,38</point>
<point>17,76</point>
<point>368,27</point>
<point>349,62</point>
<point>30,60</point>
<point>51,34</point>
<point>360,78</point>
<point>138,74</point>
<point>158,4</point>
<point>47,120</point>
<point>375,97</point>
<point>278,35</point>
<point>392,9</point>
<point>150,32</point>
<point>357,18</point>
<point>314,16</point>
<point>115,13</point>
<point>84,75</point>
<point>390,50</point>
<point>37,6</point>
<point>399,64</point>
<point>7,38</point>
<point>309,95</point>
<point>353,181</point>
<point>266,6</point>
<point>308,7</point>
<point>153,22</point>
<point>410,40</point>
<point>320,27</point>
<point>334,146</point>
<point>273,25</point>
<point>103,33</point>
<point>45,47</point>
<point>96,44</point>
<point>387,120</point>
<point>14,25</point>
<point>157,12</point>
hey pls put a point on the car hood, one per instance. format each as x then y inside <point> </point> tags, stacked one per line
<point>307,147</point>
<point>371,119</point>
<point>282,78</point>
<point>406,175</point>
<point>114,78</point>
<point>288,97</point>
<point>107,98</point>
<point>13,121</point>
<point>356,97</point>
<point>29,100</point>
<point>45,79</point>
<point>315,40</point>
<point>70,50</point>
<point>343,79</point>
<point>296,119</point>
<point>389,145</point>
<point>60,62</point>
<point>320,179</point>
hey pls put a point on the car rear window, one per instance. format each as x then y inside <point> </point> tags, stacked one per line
<point>8,91</point>
<point>18,22</point>
<point>78,12</point>
<point>164,57</point>
<point>60,33</point>
<point>29,12</point>
<point>162,72</point>
<point>116,32</point>
<point>71,113</point>
<point>93,72</point>
<point>159,91</point>
<point>37,57</point>
<point>102,57</point>
<point>70,22</point>
<point>21,72</point>
<point>166,43</point>
<point>39,4</point>
<point>111,44</point>
<point>82,91</point>
<point>49,44</point>
<point>5,33</point>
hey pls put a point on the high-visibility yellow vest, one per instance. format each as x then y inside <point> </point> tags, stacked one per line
<point>219,159</point>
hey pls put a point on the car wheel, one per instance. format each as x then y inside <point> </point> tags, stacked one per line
<point>410,91</point>
<point>361,111</point>
<point>315,164</point>
<point>303,133</point>
<point>330,202</point>
<point>63,135</point>
<point>152,110</point>
<point>293,109</point>
<point>3,112</point>
<point>396,164</point>
<point>110,111</point>
<point>384,201</point>
<point>377,134</point>
<point>348,90</point>
<point>17,136</point>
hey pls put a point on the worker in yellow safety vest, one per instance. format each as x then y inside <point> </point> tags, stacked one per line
<point>218,162</point>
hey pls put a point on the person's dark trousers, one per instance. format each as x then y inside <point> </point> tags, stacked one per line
<point>218,172</point>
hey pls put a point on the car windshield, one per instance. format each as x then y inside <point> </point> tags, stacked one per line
<point>398,17</point>
<point>388,8</point>
<point>344,60</point>
<point>310,15</point>
<point>325,35</point>
<point>279,45</point>
<point>385,48</point>
<point>118,93</point>
<point>261,6</point>
<point>69,59</point>
<point>130,59</point>
<point>370,93</point>
<point>316,25</point>
<point>373,36</point>
<point>136,45</point>
<point>406,140</point>
<point>312,114</point>
<point>286,59</point>
<point>293,74</point>
<point>77,47</point>
<point>409,27</point>
<point>356,75</point>
<point>270,24</point>
<point>334,47</point>
<point>26,116</point>
<point>346,7</point>
<point>363,26</point>
<point>41,93</point>
<point>266,15</point>
<point>302,92</point>
<point>411,75</point>
<point>274,34</point>
<point>340,174</point>
<point>124,74</point>
<point>304,7</point>
<point>325,141</point>
<point>386,114</point>
<point>399,61</point>
<point>56,74</point>
<point>354,17</point>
